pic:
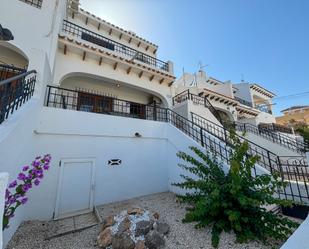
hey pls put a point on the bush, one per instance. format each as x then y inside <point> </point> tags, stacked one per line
<point>233,201</point>
<point>15,194</point>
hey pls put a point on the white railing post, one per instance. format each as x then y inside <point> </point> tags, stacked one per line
<point>3,183</point>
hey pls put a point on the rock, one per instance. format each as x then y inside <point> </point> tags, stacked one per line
<point>156,215</point>
<point>143,227</point>
<point>161,227</point>
<point>154,240</point>
<point>134,211</point>
<point>122,241</point>
<point>109,221</point>
<point>140,245</point>
<point>124,225</point>
<point>105,238</point>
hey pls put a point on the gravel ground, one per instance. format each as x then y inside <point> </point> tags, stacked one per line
<point>31,234</point>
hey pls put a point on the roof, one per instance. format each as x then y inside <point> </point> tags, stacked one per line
<point>296,107</point>
<point>267,92</point>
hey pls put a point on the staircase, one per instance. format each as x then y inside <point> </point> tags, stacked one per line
<point>271,135</point>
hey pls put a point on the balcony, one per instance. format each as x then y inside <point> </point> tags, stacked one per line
<point>86,101</point>
<point>244,102</point>
<point>97,39</point>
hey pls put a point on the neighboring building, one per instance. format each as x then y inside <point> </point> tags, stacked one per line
<point>243,102</point>
<point>294,115</point>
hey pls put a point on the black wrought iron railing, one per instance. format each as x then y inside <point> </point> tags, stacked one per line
<point>34,3</point>
<point>276,128</point>
<point>275,137</point>
<point>90,36</point>
<point>8,71</point>
<point>293,170</point>
<point>213,137</point>
<point>264,108</point>
<point>196,99</point>
<point>244,102</point>
<point>15,91</point>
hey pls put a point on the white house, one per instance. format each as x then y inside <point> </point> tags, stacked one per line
<point>110,113</point>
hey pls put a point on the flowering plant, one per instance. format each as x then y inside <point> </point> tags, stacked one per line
<point>17,189</point>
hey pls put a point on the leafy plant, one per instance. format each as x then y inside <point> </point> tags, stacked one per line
<point>233,201</point>
<point>15,194</point>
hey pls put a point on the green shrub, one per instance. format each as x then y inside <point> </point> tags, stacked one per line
<point>233,201</point>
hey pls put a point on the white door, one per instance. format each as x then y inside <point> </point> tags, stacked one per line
<point>76,187</point>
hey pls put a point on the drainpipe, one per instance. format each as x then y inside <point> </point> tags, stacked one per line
<point>3,183</point>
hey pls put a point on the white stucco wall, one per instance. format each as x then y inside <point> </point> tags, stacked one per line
<point>29,33</point>
<point>72,63</point>
<point>3,184</point>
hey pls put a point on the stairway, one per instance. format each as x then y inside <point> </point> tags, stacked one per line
<point>278,138</point>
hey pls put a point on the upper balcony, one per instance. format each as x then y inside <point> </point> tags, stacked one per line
<point>74,30</point>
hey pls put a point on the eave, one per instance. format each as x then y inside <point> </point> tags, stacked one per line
<point>102,54</point>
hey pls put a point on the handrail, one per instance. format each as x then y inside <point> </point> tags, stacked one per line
<point>103,41</point>
<point>14,92</point>
<point>190,96</point>
<point>278,138</point>
<point>17,77</point>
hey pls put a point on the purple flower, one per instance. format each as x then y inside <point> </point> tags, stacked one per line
<point>13,184</point>
<point>36,182</point>
<point>46,166</point>
<point>25,188</point>
<point>7,193</point>
<point>25,168</point>
<point>37,158</point>
<point>21,176</point>
<point>40,176</point>
<point>24,200</point>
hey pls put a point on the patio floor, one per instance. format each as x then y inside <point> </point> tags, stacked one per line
<point>32,234</point>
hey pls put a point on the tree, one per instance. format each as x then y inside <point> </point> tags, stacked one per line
<point>233,201</point>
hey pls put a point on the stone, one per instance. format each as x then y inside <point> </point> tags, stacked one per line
<point>122,241</point>
<point>156,215</point>
<point>140,245</point>
<point>154,240</point>
<point>134,211</point>
<point>161,227</point>
<point>105,238</point>
<point>124,225</point>
<point>143,227</point>
<point>109,221</point>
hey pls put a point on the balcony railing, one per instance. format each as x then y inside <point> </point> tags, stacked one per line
<point>244,102</point>
<point>271,135</point>
<point>264,108</point>
<point>196,99</point>
<point>199,129</point>
<point>90,36</point>
<point>276,128</point>
<point>8,71</point>
<point>15,91</point>
<point>34,3</point>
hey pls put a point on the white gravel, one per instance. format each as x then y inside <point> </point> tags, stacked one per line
<point>31,234</point>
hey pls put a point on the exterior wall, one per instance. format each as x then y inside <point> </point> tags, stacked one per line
<point>264,117</point>
<point>224,89</point>
<point>3,183</point>
<point>299,238</point>
<point>9,56</point>
<point>72,134</point>
<point>243,92</point>
<point>107,88</point>
<point>72,63</point>
<point>29,34</point>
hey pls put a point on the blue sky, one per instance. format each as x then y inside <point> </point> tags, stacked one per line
<point>266,41</point>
